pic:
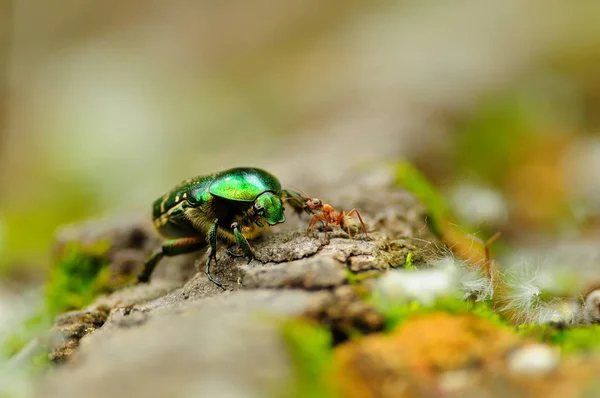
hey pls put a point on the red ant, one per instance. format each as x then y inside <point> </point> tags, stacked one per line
<point>330,216</point>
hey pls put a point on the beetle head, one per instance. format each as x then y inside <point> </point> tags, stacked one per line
<point>269,206</point>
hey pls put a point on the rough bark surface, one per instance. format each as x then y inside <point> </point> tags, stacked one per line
<point>161,340</point>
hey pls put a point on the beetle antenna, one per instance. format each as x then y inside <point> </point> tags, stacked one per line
<point>298,198</point>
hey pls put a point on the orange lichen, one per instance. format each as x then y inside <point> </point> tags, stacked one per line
<point>406,362</point>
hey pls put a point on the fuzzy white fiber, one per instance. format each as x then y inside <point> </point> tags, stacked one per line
<point>424,286</point>
<point>527,297</point>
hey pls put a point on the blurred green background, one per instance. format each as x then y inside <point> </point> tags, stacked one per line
<point>106,105</point>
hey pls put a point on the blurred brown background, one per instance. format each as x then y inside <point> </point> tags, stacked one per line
<point>106,105</point>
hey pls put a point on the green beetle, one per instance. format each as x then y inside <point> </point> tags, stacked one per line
<point>231,205</point>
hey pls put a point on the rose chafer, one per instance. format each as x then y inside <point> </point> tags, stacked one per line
<point>231,205</point>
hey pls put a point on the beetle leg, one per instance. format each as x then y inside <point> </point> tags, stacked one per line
<point>169,248</point>
<point>212,252</point>
<point>233,253</point>
<point>149,265</point>
<point>242,242</point>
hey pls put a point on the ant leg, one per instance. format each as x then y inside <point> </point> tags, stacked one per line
<point>313,221</point>
<point>353,211</point>
<point>340,221</point>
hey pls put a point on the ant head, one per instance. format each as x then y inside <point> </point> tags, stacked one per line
<point>314,203</point>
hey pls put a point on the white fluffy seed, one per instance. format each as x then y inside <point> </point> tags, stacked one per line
<point>591,308</point>
<point>534,359</point>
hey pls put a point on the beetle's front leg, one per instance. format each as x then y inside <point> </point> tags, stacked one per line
<point>242,242</point>
<point>169,248</point>
<point>212,252</point>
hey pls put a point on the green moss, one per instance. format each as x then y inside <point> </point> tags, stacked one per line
<point>28,226</point>
<point>39,363</point>
<point>580,339</point>
<point>30,329</point>
<point>310,347</point>
<point>415,182</point>
<point>408,263</point>
<point>79,275</point>
<point>13,344</point>
<point>396,313</point>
